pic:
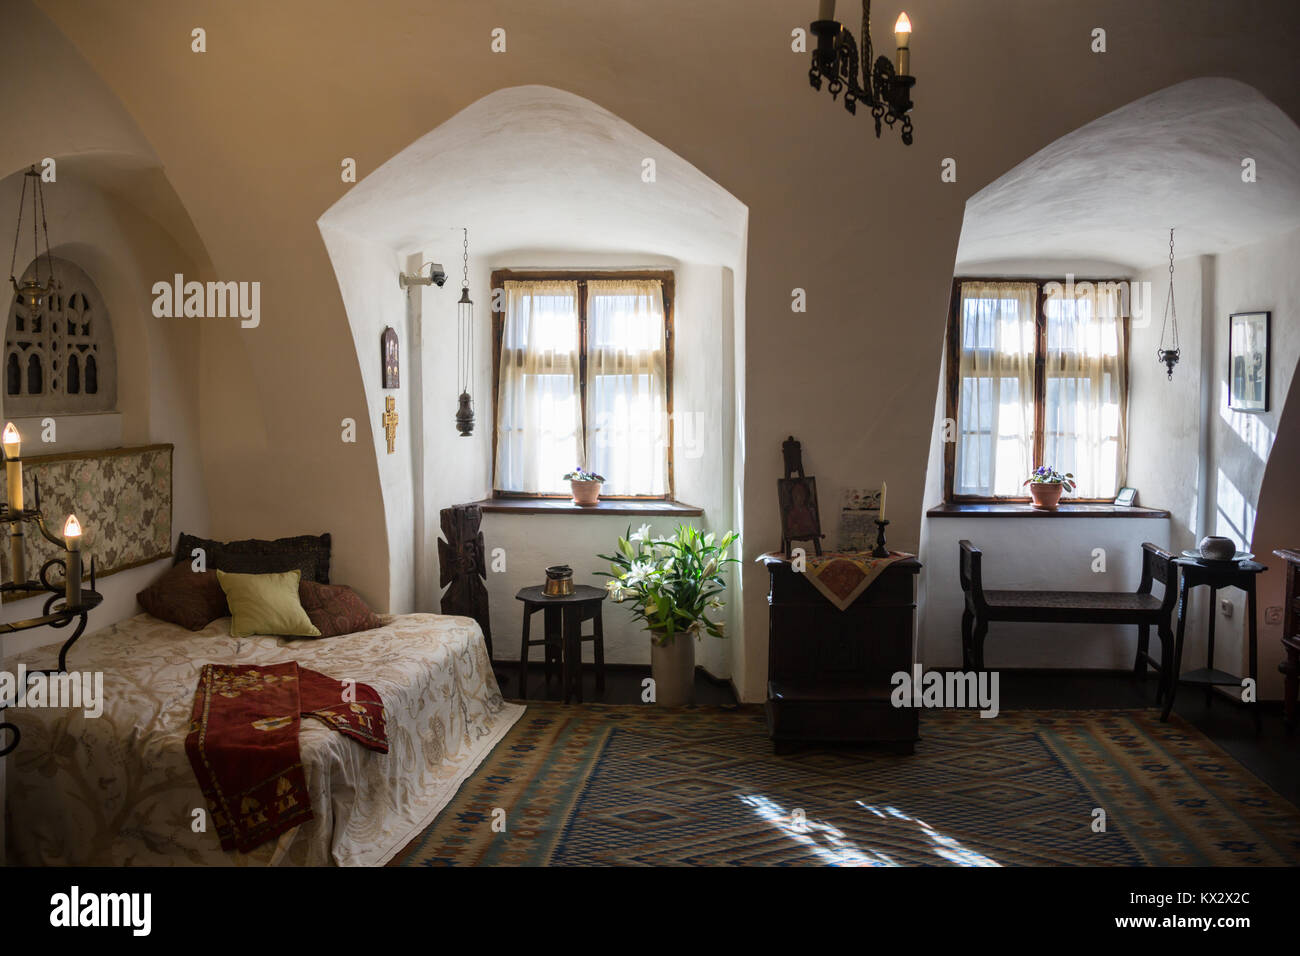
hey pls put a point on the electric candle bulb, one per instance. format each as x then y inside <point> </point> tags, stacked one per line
<point>902,38</point>
<point>12,440</point>
<point>72,561</point>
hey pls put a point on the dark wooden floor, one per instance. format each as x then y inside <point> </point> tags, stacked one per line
<point>1272,756</point>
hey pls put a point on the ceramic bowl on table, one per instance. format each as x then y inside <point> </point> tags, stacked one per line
<point>1237,557</point>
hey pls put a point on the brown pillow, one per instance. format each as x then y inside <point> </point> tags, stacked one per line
<point>336,609</point>
<point>183,596</point>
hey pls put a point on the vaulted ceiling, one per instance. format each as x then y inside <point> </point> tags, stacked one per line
<point>1111,190</point>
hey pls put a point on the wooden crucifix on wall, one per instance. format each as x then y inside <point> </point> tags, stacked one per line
<point>389,421</point>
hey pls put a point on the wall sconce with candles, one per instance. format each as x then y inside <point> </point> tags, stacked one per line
<point>67,600</point>
<point>885,87</point>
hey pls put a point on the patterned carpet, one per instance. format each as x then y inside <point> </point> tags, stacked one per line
<point>627,785</point>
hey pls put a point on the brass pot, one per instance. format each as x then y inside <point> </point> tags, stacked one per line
<point>559,581</point>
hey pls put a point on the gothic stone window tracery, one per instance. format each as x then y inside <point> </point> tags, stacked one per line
<point>60,357</point>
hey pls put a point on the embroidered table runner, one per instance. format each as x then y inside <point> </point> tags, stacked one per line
<point>842,576</point>
<point>243,742</point>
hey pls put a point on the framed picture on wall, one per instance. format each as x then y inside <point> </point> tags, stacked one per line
<point>1248,361</point>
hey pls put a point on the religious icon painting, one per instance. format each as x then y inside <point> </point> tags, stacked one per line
<point>388,352</point>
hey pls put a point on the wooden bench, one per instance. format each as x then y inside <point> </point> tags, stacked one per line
<point>1141,608</point>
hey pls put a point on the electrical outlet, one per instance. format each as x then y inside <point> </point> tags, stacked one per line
<point>1272,615</point>
<point>1225,607</point>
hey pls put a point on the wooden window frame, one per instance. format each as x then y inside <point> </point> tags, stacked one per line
<point>581,276</point>
<point>952,384</point>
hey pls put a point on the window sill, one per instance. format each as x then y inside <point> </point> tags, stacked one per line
<point>1019,509</point>
<point>644,507</point>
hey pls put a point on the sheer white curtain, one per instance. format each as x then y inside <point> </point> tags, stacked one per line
<point>627,398</point>
<point>1084,427</point>
<point>995,400</point>
<point>539,418</point>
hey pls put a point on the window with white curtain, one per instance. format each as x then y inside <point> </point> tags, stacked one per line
<point>584,381</point>
<point>1040,379</point>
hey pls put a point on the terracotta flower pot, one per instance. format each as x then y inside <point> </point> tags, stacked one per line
<point>585,493</point>
<point>673,668</point>
<point>1046,494</point>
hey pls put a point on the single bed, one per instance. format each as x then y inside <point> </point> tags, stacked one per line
<point>118,789</point>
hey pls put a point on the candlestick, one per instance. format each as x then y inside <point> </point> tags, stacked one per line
<point>72,559</point>
<point>902,37</point>
<point>880,551</point>
<point>13,447</point>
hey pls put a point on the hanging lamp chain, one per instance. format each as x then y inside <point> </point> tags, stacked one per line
<point>38,212</point>
<point>1171,306</point>
<point>18,234</point>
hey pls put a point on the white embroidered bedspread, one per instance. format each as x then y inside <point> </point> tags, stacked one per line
<point>118,789</point>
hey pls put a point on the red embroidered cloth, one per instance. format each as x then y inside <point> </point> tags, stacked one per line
<point>842,576</point>
<point>243,743</point>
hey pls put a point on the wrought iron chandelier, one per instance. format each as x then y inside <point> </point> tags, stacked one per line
<point>32,293</point>
<point>465,351</point>
<point>1169,355</point>
<point>884,87</point>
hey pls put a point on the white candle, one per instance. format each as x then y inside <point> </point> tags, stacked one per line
<point>13,443</point>
<point>13,447</point>
<point>903,38</point>
<point>884,489</point>
<point>826,10</point>
<point>72,558</point>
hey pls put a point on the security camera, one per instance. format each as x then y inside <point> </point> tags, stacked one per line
<point>437,276</point>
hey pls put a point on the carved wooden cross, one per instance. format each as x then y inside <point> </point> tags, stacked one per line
<point>389,421</point>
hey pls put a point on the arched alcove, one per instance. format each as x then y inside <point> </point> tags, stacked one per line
<point>1099,203</point>
<point>541,178</point>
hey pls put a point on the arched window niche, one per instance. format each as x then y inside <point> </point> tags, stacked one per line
<point>60,357</point>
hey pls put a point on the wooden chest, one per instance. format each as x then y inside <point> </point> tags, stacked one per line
<point>829,670</point>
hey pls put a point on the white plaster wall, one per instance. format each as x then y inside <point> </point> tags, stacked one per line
<point>1255,278</point>
<point>367,276</point>
<point>457,469</point>
<point>1165,415</point>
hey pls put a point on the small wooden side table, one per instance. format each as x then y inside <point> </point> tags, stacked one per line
<point>1240,575</point>
<point>1291,634</point>
<point>562,636</point>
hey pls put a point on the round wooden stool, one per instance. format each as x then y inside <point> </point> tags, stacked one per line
<point>563,637</point>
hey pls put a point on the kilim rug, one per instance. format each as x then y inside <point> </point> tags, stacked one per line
<point>598,785</point>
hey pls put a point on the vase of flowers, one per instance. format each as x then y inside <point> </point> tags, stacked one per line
<point>673,585</point>
<point>585,486</point>
<point>1046,485</point>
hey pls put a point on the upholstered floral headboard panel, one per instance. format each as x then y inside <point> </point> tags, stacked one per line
<point>122,496</point>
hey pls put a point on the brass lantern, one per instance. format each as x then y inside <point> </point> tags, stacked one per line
<point>465,351</point>
<point>32,292</point>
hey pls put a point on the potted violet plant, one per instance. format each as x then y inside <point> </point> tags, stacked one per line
<point>585,486</point>
<point>1046,485</point>
<point>673,584</point>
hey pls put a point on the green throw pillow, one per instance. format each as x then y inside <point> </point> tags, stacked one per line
<point>266,604</point>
